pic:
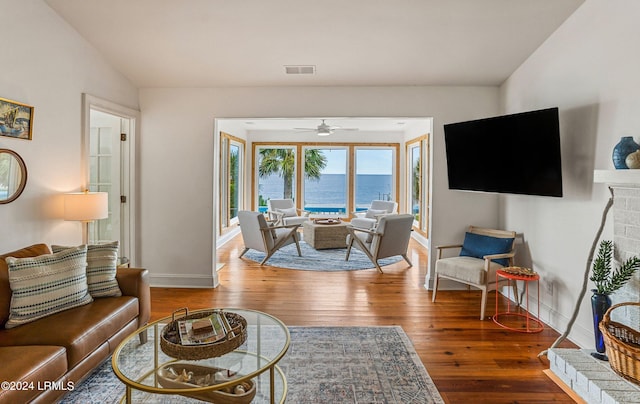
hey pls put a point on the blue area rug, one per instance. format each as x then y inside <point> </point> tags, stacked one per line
<point>330,365</point>
<point>318,260</point>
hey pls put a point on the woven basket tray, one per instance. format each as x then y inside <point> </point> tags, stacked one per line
<point>170,339</point>
<point>227,396</point>
<point>623,345</point>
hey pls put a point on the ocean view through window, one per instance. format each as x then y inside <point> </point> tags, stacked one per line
<point>328,192</point>
<point>373,176</point>
<point>326,179</point>
<point>332,197</point>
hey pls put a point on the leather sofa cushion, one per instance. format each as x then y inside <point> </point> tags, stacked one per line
<point>80,330</point>
<point>5,290</point>
<point>31,364</point>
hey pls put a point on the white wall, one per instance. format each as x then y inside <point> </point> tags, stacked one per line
<point>46,64</point>
<point>590,69</point>
<point>177,143</point>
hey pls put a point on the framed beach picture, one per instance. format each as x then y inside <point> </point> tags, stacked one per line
<point>15,119</point>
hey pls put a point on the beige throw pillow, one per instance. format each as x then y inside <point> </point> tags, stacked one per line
<point>372,213</point>
<point>47,284</point>
<point>102,264</point>
<point>288,212</point>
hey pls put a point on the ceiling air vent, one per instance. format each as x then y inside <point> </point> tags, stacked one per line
<point>308,69</point>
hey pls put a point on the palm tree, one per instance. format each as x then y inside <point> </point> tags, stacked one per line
<point>233,181</point>
<point>416,177</point>
<point>283,162</point>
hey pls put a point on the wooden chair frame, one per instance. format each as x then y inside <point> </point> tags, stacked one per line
<point>267,234</point>
<point>372,255</point>
<point>490,284</point>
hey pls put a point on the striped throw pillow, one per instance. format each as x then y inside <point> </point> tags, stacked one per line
<point>102,263</point>
<point>47,284</point>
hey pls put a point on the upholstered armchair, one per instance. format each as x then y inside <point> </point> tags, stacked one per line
<point>259,236</point>
<point>369,218</point>
<point>390,238</point>
<point>284,212</point>
<point>482,253</point>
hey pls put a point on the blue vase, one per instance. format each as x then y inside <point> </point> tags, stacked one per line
<point>625,147</point>
<point>600,303</point>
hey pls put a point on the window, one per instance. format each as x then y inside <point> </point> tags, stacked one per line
<point>231,178</point>
<point>374,176</point>
<point>325,180</point>
<point>108,151</point>
<point>415,180</point>
<point>334,179</point>
<point>276,179</point>
<point>417,187</point>
<point>102,173</point>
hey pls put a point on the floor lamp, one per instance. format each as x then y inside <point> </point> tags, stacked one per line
<point>86,207</point>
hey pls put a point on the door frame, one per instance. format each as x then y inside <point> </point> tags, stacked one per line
<point>90,102</point>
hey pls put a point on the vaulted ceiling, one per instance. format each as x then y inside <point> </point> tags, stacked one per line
<point>209,43</point>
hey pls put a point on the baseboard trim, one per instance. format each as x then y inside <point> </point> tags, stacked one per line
<point>181,281</point>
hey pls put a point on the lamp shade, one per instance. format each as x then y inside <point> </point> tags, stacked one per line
<point>86,206</point>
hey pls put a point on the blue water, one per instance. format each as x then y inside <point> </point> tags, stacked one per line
<point>328,194</point>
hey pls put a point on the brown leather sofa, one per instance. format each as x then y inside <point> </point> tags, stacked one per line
<point>61,349</point>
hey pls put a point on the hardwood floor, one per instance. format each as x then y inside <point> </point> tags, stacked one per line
<point>470,361</point>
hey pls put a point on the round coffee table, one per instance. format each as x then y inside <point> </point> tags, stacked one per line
<point>137,365</point>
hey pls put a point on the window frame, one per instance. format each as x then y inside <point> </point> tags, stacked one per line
<point>394,192</point>
<point>226,141</point>
<point>255,178</point>
<point>299,147</point>
<point>347,186</point>
<point>422,142</point>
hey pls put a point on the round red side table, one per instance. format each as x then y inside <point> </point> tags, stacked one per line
<point>516,318</point>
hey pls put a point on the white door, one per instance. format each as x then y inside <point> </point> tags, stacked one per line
<point>108,162</point>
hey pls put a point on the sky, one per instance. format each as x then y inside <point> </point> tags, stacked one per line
<point>368,161</point>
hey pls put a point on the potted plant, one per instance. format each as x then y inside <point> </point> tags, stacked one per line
<point>607,282</point>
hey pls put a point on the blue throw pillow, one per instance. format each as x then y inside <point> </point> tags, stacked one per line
<point>477,245</point>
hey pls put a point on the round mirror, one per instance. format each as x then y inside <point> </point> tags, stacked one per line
<point>13,175</point>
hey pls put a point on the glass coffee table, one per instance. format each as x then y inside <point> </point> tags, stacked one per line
<point>137,364</point>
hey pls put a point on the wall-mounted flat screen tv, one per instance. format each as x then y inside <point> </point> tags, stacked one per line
<point>515,154</point>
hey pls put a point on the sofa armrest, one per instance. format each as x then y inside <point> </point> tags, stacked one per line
<point>135,282</point>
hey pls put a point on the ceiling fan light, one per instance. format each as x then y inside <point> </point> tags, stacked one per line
<point>324,132</point>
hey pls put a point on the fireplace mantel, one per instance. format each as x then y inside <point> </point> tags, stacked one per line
<point>626,178</point>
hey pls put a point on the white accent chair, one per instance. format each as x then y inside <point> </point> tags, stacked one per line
<point>284,212</point>
<point>369,218</point>
<point>258,235</point>
<point>390,238</point>
<point>477,269</point>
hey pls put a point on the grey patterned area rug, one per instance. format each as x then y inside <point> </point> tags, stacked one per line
<point>323,365</point>
<point>318,260</point>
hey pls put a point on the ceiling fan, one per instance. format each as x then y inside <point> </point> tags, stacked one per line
<point>323,129</point>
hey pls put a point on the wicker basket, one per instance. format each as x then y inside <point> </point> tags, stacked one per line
<point>623,345</point>
<point>226,396</point>
<point>170,339</point>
